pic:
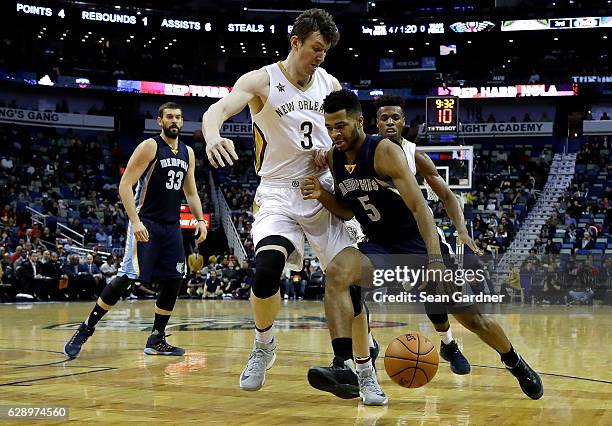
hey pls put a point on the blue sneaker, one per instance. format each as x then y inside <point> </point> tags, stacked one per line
<point>78,339</point>
<point>451,353</point>
<point>157,345</point>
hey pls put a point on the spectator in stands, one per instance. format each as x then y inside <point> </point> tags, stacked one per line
<point>604,116</point>
<point>491,118</point>
<point>527,118</point>
<point>501,236</point>
<point>229,277</point>
<point>195,261</point>
<point>47,238</point>
<point>109,269</point>
<point>532,258</point>
<point>569,220</point>
<point>570,234</point>
<point>212,288</point>
<point>534,78</point>
<point>91,275</point>
<point>538,246</point>
<point>527,273</point>
<point>71,269</point>
<point>17,254</point>
<point>551,247</point>
<point>587,243</point>
<point>102,238</point>
<point>195,285</point>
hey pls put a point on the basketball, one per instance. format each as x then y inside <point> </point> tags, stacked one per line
<point>411,360</point>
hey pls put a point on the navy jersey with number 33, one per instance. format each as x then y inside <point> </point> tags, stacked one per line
<point>377,205</point>
<point>160,188</point>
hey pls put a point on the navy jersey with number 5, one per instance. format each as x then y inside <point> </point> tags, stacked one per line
<point>377,205</point>
<point>160,188</point>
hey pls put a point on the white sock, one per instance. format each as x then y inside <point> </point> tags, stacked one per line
<point>265,336</point>
<point>370,340</point>
<point>446,336</point>
<point>360,365</point>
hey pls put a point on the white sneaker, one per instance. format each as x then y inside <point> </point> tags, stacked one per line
<point>369,389</point>
<point>261,359</point>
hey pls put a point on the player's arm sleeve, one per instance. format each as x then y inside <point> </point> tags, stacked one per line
<point>136,166</point>
<point>390,161</point>
<point>191,190</point>
<point>333,202</point>
<point>246,88</point>
<point>427,169</point>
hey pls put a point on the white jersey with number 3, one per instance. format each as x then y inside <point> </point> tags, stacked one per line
<point>291,126</point>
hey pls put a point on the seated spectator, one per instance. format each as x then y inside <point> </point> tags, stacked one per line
<point>551,247</point>
<point>195,285</point>
<point>587,243</point>
<point>604,116</point>
<point>109,269</point>
<point>89,271</point>
<point>212,287</point>
<point>31,281</point>
<point>569,220</point>
<point>102,238</point>
<point>229,277</point>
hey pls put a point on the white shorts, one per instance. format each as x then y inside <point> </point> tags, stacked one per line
<point>280,210</point>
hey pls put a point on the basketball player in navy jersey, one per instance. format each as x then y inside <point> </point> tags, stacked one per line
<point>375,185</point>
<point>390,121</point>
<point>163,167</point>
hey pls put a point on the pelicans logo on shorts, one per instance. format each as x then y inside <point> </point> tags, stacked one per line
<point>180,267</point>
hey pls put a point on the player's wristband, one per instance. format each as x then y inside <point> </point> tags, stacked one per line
<point>435,259</point>
<point>201,220</point>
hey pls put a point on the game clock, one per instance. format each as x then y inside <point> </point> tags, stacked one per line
<point>442,114</point>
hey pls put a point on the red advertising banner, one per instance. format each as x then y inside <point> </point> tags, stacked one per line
<point>188,220</point>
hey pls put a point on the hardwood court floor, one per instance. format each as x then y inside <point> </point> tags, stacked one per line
<point>114,382</point>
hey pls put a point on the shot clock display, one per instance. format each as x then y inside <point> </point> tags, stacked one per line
<point>442,114</point>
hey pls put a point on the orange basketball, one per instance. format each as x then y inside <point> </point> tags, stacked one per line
<point>411,360</point>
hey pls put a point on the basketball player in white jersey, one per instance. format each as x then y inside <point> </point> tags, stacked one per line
<point>286,103</point>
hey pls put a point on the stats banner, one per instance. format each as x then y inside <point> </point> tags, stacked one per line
<point>55,119</point>
<point>228,129</point>
<point>515,91</point>
<point>506,129</point>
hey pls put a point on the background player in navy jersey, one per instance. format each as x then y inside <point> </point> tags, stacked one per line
<point>163,169</point>
<point>374,184</point>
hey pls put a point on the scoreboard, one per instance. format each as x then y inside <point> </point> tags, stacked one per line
<point>442,114</point>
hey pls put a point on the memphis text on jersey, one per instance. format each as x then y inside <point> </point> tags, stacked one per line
<point>173,162</point>
<point>366,185</point>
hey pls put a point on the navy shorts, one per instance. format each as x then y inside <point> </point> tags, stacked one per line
<point>379,252</point>
<point>160,258</point>
<point>412,252</point>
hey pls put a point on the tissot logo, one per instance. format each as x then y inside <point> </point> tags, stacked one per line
<point>220,323</point>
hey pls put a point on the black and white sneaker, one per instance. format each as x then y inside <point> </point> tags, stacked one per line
<point>451,353</point>
<point>339,378</point>
<point>157,345</point>
<point>530,381</point>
